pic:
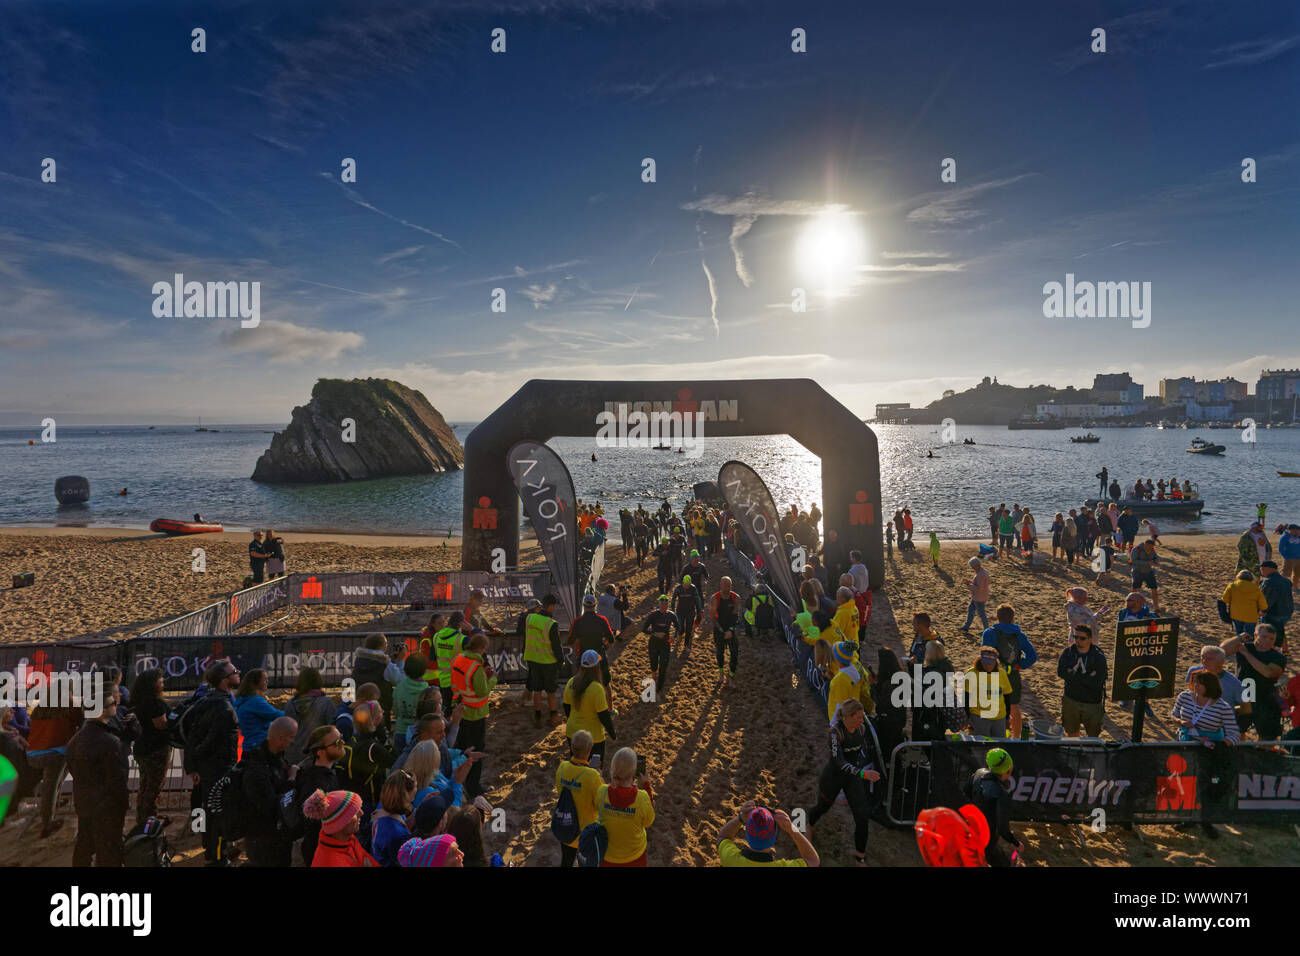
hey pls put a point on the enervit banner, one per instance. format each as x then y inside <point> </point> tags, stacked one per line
<point>751,503</point>
<point>425,588</point>
<point>546,489</point>
<point>213,619</point>
<point>258,601</point>
<point>1145,783</point>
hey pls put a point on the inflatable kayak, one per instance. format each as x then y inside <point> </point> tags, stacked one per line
<point>169,526</point>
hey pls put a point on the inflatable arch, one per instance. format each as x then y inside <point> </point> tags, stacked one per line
<point>798,407</point>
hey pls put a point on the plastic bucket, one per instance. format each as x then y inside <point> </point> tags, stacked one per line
<point>1047,730</point>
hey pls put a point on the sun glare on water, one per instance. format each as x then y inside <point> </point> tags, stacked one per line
<point>830,250</point>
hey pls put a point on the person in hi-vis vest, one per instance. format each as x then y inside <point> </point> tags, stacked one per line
<point>472,682</point>
<point>542,653</point>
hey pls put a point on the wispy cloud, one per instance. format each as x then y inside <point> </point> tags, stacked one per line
<point>745,210</point>
<point>281,341</point>
<point>355,197</point>
<point>914,267</point>
<point>713,297</point>
<point>399,254</point>
<point>1250,52</point>
<point>540,295</point>
<point>957,206</point>
<point>1124,35</point>
<point>915,255</point>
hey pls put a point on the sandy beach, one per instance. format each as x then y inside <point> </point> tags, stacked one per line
<point>708,747</point>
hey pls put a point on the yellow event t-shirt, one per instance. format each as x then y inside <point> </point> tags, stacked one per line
<point>584,783</point>
<point>583,713</point>
<point>729,851</point>
<point>626,826</point>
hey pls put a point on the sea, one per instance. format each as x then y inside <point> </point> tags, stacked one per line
<point>174,471</point>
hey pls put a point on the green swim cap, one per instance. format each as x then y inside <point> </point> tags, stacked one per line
<point>686,579</point>
<point>8,784</point>
<point>998,760</point>
<point>663,597</point>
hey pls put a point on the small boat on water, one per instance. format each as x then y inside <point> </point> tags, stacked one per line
<point>72,490</point>
<point>1202,447</point>
<point>1288,474</point>
<point>1170,507</point>
<point>173,527</point>
<point>1088,439</point>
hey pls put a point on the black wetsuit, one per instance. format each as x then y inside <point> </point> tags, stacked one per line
<point>659,626</point>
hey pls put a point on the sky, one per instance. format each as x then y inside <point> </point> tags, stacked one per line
<point>775,170</point>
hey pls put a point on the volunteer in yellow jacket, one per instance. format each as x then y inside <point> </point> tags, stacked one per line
<point>583,781</point>
<point>847,684</point>
<point>759,849</point>
<point>472,682</point>
<point>542,655</point>
<point>586,707</point>
<point>625,808</point>
<point>846,615</point>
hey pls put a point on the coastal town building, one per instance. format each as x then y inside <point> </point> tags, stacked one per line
<point>1177,389</point>
<point>1085,411</point>
<point>1278,383</point>
<point>1118,388</point>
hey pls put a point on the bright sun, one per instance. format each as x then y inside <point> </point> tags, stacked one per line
<point>830,249</point>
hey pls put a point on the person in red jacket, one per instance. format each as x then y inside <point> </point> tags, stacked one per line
<point>339,813</point>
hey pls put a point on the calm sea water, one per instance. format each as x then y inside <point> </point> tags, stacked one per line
<point>172,471</point>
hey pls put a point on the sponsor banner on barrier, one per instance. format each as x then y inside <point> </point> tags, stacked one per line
<point>425,588</point>
<point>27,661</point>
<point>1143,783</point>
<point>183,660</point>
<point>213,619</point>
<point>258,601</point>
<point>1146,658</point>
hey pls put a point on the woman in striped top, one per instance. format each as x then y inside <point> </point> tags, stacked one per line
<point>1203,713</point>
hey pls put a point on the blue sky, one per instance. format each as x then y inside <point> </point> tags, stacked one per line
<point>523,171</point>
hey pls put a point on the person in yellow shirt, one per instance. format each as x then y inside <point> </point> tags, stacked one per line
<point>583,782</point>
<point>759,849</point>
<point>587,708</point>
<point>986,695</point>
<point>845,620</point>
<point>1245,602</point>
<point>625,808</point>
<point>847,684</point>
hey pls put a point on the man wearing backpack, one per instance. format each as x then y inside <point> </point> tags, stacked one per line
<point>576,784</point>
<point>211,740</point>
<point>267,778</point>
<point>99,790</point>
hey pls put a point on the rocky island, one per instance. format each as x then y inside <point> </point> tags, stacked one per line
<point>360,428</point>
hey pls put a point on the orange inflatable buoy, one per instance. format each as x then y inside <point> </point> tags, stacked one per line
<point>30,442</point>
<point>952,838</point>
